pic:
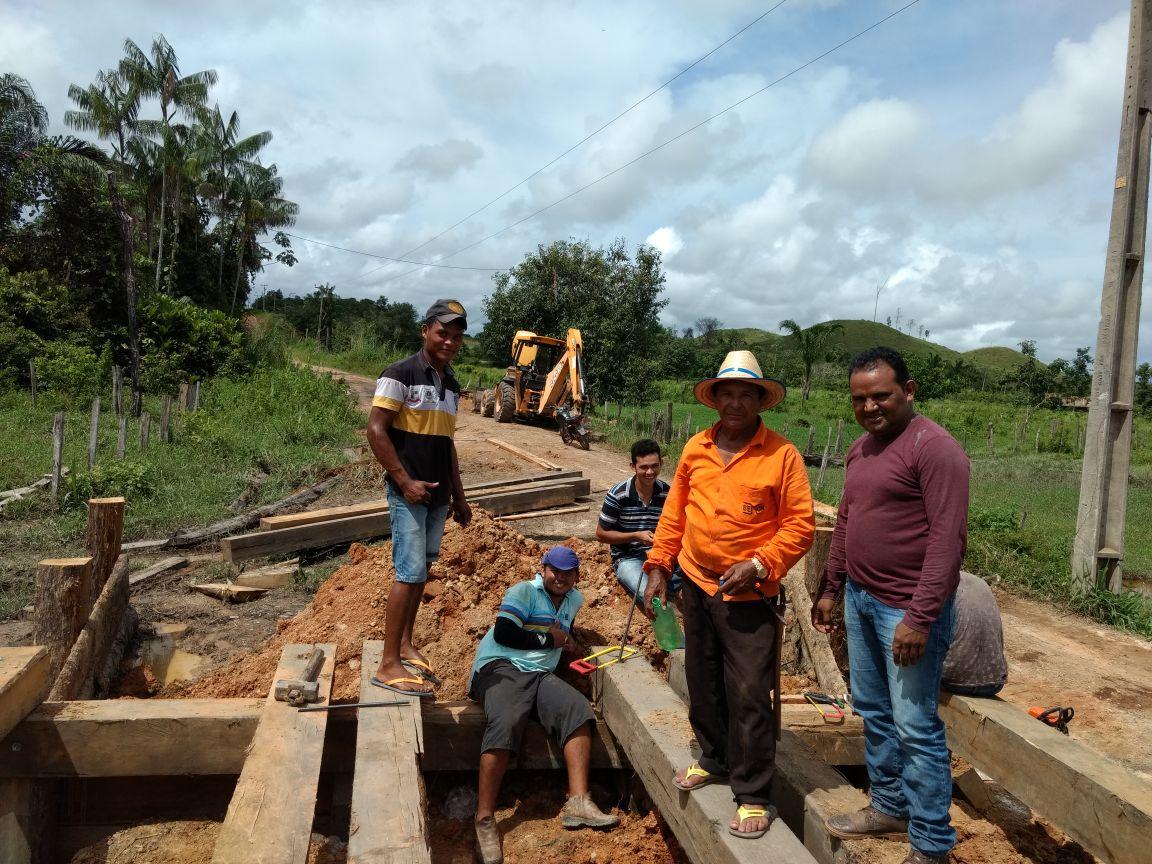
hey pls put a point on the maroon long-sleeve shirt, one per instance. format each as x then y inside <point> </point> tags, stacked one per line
<point>902,527</point>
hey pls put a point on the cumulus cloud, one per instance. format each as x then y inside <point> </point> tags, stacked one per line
<point>440,161</point>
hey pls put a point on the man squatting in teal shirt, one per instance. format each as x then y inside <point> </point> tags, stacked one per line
<point>513,678</point>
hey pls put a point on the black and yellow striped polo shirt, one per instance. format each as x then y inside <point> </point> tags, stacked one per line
<point>425,405</point>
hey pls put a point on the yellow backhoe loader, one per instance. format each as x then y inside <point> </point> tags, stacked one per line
<point>544,381</point>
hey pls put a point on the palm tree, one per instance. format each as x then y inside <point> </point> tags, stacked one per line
<point>157,74</point>
<point>110,108</point>
<point>259,208</point>
<point>222,156</point>
<point>812,346</point>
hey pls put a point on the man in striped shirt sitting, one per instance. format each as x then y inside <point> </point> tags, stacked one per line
<point>630,515</point>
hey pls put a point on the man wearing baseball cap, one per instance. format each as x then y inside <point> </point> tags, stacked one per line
<point>410,431</point>
<point>513,678</point>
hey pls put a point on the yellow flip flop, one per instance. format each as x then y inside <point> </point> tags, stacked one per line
<point>422,669</point>
<point>694,770</point>
<point>753,811</point>
<point>391,683</point>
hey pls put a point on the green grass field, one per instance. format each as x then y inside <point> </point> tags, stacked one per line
<point>287,421</point>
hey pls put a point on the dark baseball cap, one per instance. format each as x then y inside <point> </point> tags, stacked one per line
<point>561,558</point>
<point>446,311</point>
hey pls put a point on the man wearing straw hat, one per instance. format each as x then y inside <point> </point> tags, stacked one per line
<point>737,517</point>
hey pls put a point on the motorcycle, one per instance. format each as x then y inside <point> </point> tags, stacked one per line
<point>573,427</point>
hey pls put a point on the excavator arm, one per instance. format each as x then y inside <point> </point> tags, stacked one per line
<point>566,379</point>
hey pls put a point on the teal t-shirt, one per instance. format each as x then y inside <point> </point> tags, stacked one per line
<point>531,607</point>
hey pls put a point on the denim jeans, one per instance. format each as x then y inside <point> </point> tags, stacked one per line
<point>416,533</point>
<point>904,743</point>
<point>630,573</point>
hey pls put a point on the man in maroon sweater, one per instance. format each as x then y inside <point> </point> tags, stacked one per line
<point>901,531</point>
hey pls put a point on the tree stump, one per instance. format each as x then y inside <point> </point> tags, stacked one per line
<point>62,597</point>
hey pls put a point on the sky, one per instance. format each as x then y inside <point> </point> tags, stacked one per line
<point>952,167</point>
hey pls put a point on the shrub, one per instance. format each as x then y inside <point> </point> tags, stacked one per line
<point>133,480</point>
<point>181,341</point>
<point>67,368</point>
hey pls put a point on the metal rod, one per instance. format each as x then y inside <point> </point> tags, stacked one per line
<point>631,610</point>
<point>352,705</point>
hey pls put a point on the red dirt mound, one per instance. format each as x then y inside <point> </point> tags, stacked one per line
<point>477,564</point>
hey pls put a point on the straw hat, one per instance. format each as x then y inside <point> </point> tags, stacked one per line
<point>741,366</point>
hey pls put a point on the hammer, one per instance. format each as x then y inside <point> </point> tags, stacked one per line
<point>298,691</point>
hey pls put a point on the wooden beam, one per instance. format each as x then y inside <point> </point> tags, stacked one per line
<point>24,683</point>
<point>651,725</point>
<point>816,644</point>
<point>281,541</point>
<point>1099,803</point>
<point>388,799</point>
<point>269,820</point>
<point>78,678</point>
<point>580,486</point>
<point>170,563</point>
<point>272,576</point>
<point>836,743</point>
<point>61,604</point>
<point>156,737</point>
<point>524,454</point>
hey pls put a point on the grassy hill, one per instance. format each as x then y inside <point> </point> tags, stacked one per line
<point>860,335</point>
<point>999,358</point>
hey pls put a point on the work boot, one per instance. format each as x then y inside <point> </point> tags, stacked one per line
<point>866,822</point>
<point>580,811</point>
<point>915,857</point>
<point>488,841</point>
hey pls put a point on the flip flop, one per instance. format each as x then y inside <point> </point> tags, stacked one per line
<point>694,770</point>
<point>391,682</point>
<point>422,669</point>
<point>753,811</point>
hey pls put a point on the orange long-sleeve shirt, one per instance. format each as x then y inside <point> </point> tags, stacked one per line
<point>717,515</point>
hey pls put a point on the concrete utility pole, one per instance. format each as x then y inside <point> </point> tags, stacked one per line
<point>1098,548</point>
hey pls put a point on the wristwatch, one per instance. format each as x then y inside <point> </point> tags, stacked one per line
<point>761,570</point>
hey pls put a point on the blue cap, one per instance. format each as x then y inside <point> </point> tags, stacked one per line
<point>561,558</point>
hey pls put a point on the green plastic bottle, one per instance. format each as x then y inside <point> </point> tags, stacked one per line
<point>666,627</point>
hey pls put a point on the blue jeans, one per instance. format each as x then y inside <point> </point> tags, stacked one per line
<point>416,533</point>
<point>630,573</point>
<point>904,743</point>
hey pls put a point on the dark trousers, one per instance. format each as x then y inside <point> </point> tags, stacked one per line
<point>730,664</point>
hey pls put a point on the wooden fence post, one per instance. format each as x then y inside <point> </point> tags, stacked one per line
<point>102,538</point>
<point>32,380</point>
<point>1037,439</point>
<point>182,396</point>
<point>145,424</point>
<point>839,438</point>
<point>195,396</point>
<point>991,452</point>
<point>811,441</point>
<point>668,424</point>
<point>619,411</point>
<point>964,442</point>
<point>121,436</point>
<point>93,431</point>
<point>63,587</point>
<point>57,453</point>
<point>166,419</point>
<point>118,390</point>
<point>824,461</point>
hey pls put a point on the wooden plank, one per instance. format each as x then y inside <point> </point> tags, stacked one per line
<point>836,743</point>
<point>261,544</point>
<point>156,569</point>
<point>816,644</point>
<point>1099,803</point>
<point>388,800</point>
<point>581,486</point>
<point>132,738</point>
<point>24,683</point>
<point>270,816</point>
<point>524,454</point>
<point>651,725</point>
<point>231,593</point>
<point>273,576</point>
<point>537,514</point>
<point>156,737</point>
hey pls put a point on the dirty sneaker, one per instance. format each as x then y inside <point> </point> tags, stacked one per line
<point>580,811</point>
<point>915,857</point>
<point>866,822</point>
<point>488,841</point>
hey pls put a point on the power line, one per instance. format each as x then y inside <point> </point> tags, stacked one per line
<point>673,139</point>
<point>589,136</point>
<point>387,258</point>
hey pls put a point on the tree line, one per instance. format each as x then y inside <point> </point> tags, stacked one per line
<point>124,251</point>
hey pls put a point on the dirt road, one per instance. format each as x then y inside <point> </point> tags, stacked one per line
<point>1054,658</point>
